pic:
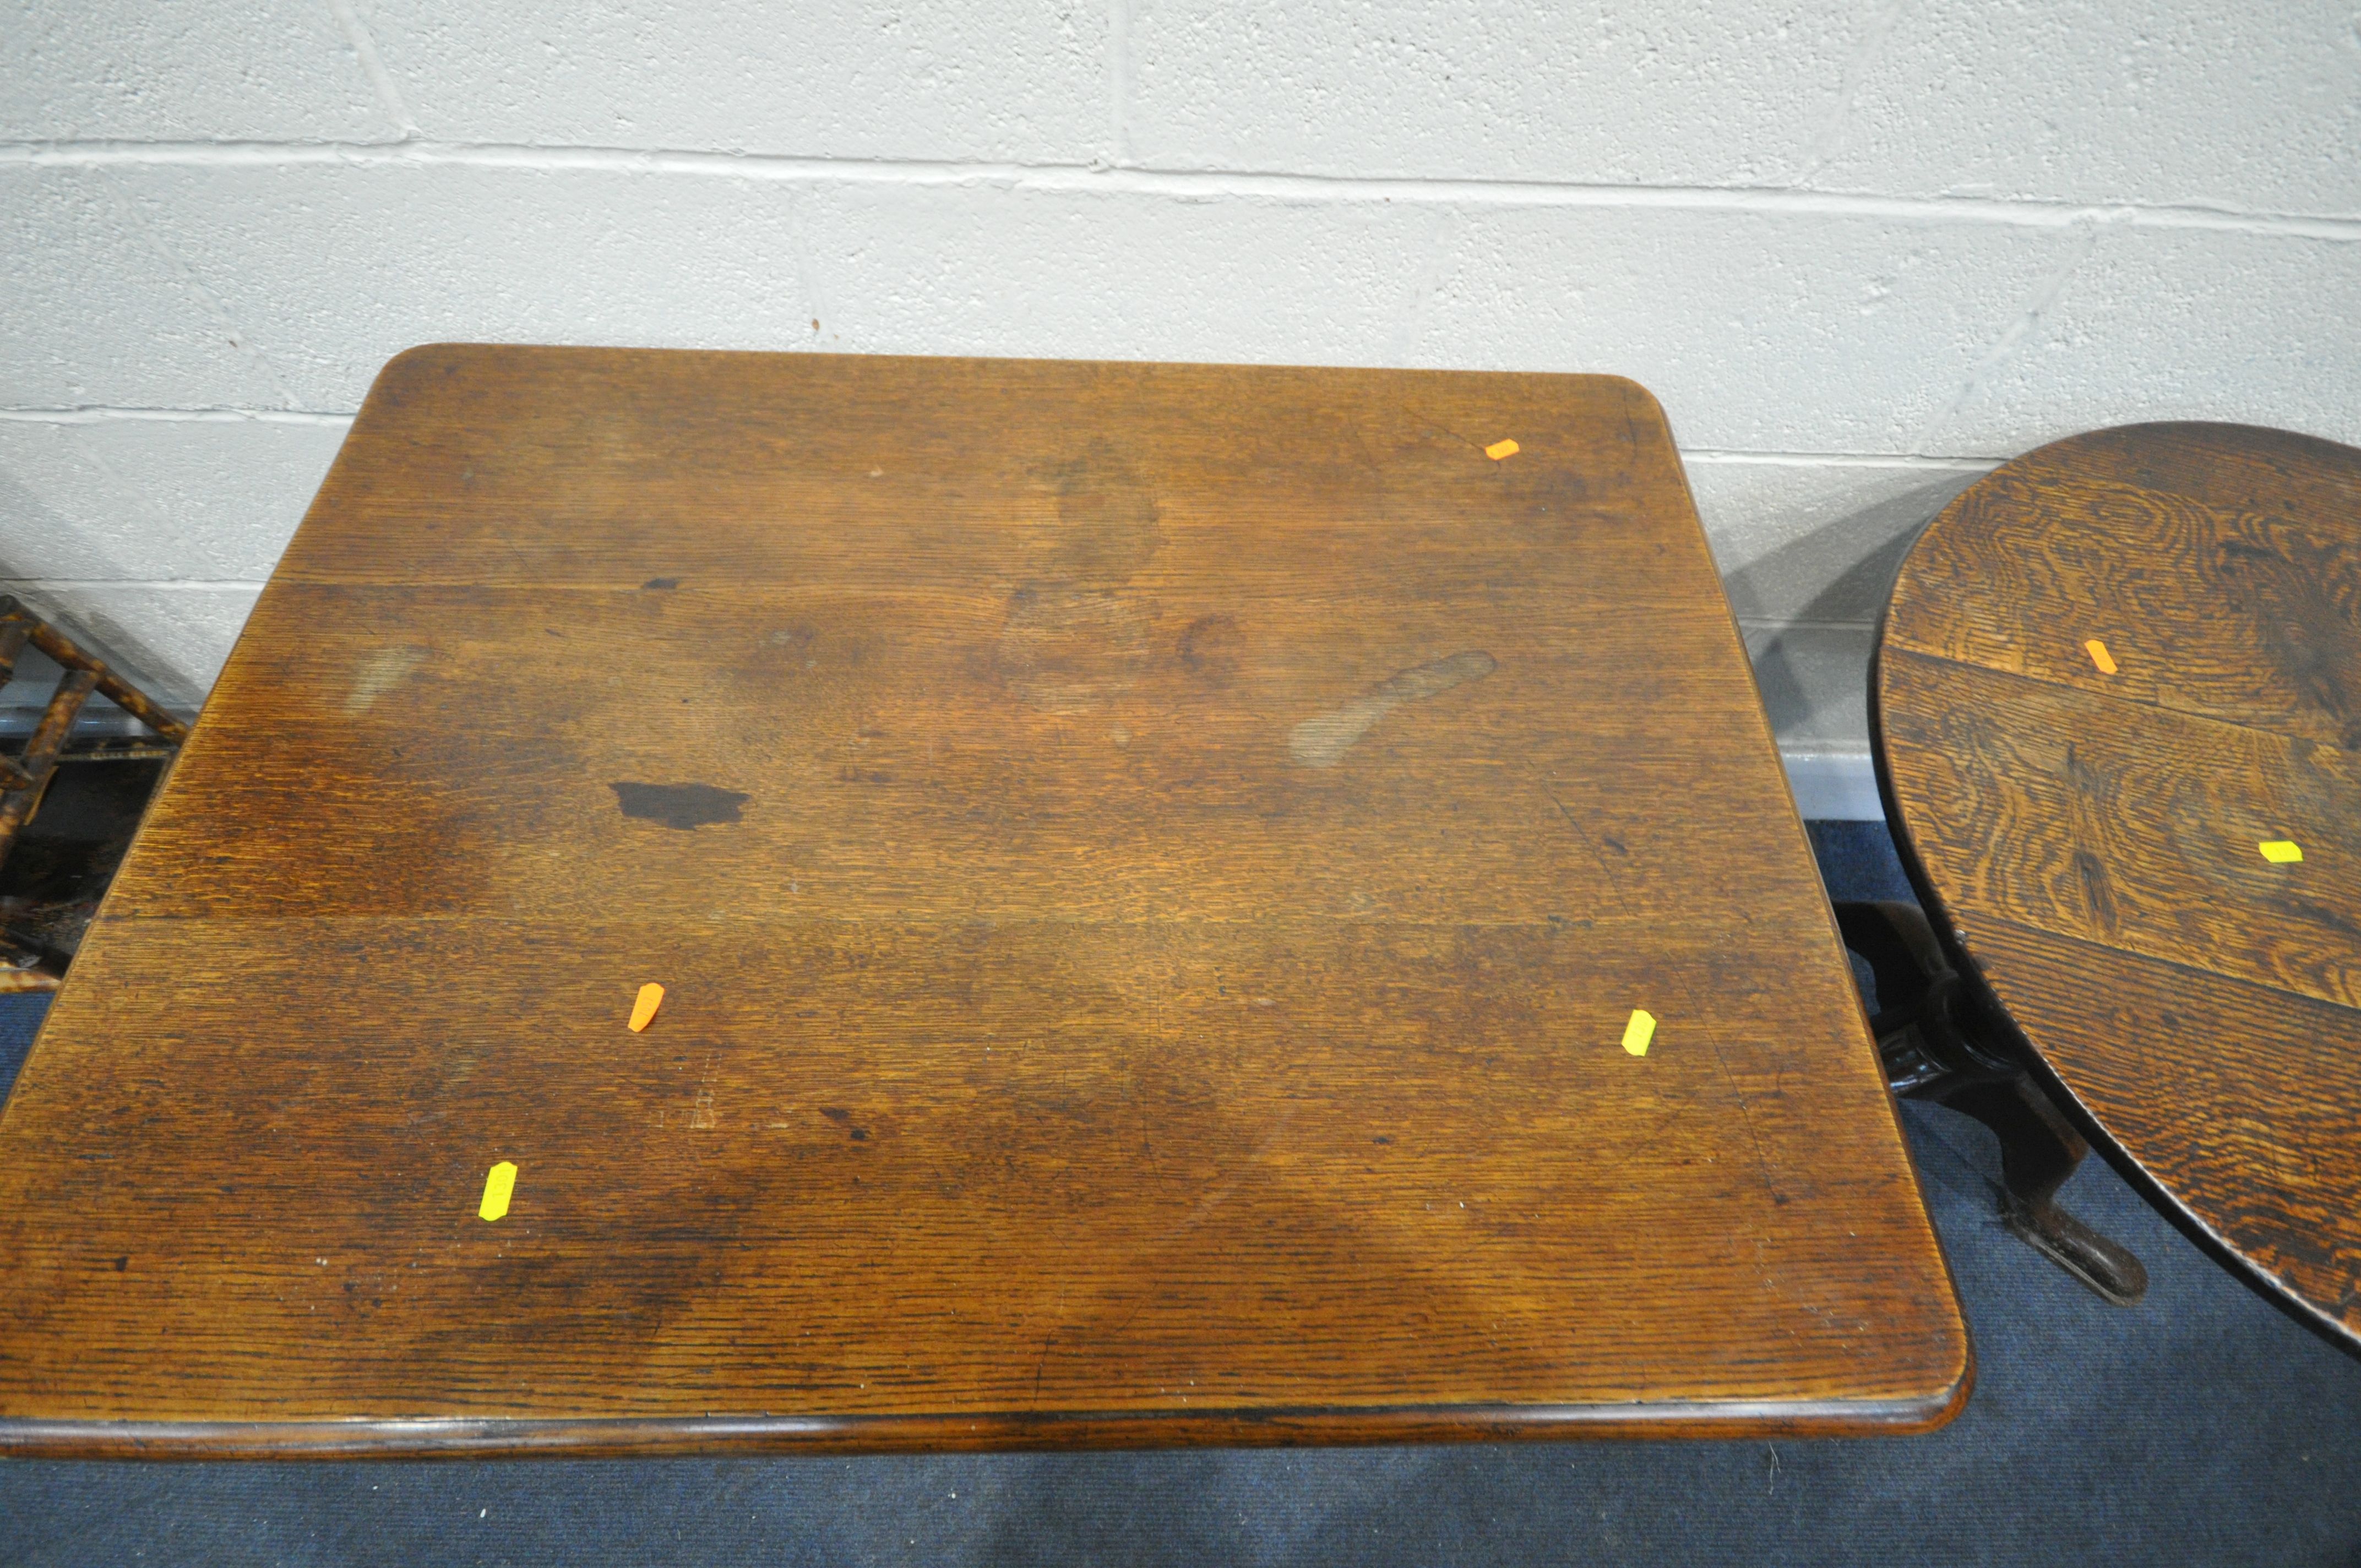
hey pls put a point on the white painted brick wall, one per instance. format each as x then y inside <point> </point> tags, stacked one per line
<point>1860,251</point>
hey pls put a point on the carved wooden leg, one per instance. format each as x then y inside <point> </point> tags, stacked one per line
<point>2038,1150</point>
<point>1937,1044</point>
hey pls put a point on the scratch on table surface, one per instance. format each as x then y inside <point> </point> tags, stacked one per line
<point>1746,1113</point>
<point>1598,858</point>
<point>1042,1365</point>
<point>1322,741</point>
<point>1434,428</point>
<point>1220,1191</point>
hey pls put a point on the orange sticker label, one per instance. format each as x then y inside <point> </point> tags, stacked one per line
<point>1500,449</point>
<point>2100,656</point>
<point>650,998</point>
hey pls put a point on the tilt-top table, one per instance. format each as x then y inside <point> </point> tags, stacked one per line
<point>2118,697</point>
<point>1154,872</point>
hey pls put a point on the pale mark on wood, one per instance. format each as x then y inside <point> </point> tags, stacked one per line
<point>381,673</point>
<point>1321,742</point>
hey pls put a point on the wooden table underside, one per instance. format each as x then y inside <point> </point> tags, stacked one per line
<point>2093,837</point>
<point>1150,866</point>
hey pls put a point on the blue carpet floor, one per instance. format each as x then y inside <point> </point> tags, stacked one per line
<point>2202,1427</point>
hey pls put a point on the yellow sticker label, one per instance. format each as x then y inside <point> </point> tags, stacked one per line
<point>1639,1032</point>
<point>498,1186</point>
<point>650,997</point>
<point>2100,656</point>
<point>1500,449</point>
<point>2280,851</point>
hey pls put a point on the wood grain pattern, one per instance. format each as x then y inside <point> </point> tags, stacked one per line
<point>1148,866</point>
<point>2092,838</point>
<point>2220,594</point>
<point>2134,826</point>
<point>2259,1124</point>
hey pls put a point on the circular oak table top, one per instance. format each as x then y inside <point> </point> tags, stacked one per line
<point>2118,704</point>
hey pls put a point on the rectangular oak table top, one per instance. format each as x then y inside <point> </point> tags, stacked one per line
<point>1150,868</point>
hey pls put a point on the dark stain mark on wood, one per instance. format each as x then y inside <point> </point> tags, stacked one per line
<point>660,582</point>
<point>682,806</point>
<point>1209,649</point>
<point>1074,638</point>
<point>1108,519</point>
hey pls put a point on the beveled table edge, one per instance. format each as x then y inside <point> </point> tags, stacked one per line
<point>466,1437</point>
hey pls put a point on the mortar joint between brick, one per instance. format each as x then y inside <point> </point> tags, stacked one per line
<point>339,418</point>
<point>1185,183</point>
<point>100,413</point>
